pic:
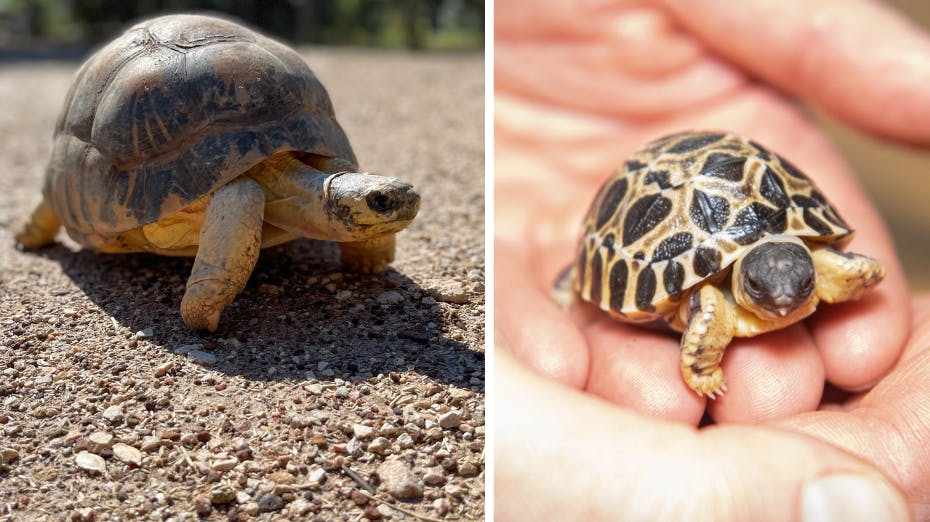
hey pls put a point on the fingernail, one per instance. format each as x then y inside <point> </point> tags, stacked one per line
<point>850,498</point>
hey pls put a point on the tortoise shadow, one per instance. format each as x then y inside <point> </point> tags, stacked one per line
<point>299,317</point>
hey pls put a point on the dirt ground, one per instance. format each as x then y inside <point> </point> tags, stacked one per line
<point>324,395</point>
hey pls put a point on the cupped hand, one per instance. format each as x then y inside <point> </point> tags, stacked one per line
<point>561,454</point>
<point>579,86</point>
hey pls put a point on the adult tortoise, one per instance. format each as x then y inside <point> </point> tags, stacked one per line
<point>712,235</point>
<point>194,136</point>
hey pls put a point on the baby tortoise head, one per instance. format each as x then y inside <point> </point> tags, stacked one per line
<point>775,279</point>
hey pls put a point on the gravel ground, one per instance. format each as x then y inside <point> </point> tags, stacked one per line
<point>324,395</point>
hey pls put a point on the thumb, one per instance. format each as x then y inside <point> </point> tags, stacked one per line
<point>564,455</point>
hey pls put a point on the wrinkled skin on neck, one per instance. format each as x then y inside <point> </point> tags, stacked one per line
<point>345,206</point>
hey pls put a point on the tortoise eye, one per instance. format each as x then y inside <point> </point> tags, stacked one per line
<point>751,286</point>
<point>808,284</point>
<point>379,201</point>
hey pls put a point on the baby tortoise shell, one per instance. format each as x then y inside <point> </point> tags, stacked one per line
<point>677,217</point>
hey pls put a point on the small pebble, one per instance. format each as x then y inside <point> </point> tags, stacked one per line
<point>300,507</point>
<point>186,348</point>
<point>163,369</point>
<point>90,462</point>
<point>448,292</point>
<point>127,454</point>
<point>389,297</point>
<point>363,432</point>
<point>225,464</point>
<point>450,420</point>
<point>202,505</point>
<point>434,477</point>
<point>399,481</point>
<point>8,455</point>
<point>317,476</point>
<point>202,357</point>
<point>354,447</point>
<point>145,333</point>
<point>99,441</point>
<point>113,414</point>
<point>150,443</point>
<point>468,468</point>
<point>442,506</point>
<point>379,446</point>
<point>270,502</point>
<point>405,440</point>
<point>222,494</point>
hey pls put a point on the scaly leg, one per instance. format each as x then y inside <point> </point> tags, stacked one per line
<point>844,276</point>
<point>41,229</point>
<point>230,240</point>
<point>368,257</point>
<point>711,325</point>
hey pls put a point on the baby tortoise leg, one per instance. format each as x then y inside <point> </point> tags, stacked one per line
<point>844,276</point>
<point>41,229</point>
<point>368,257</point>
<point>563,290</point>
<point>230,240</point>
<point>711,325</point>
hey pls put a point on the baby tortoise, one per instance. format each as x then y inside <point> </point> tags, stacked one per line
<point>715,236</point>
<point>193,136</point>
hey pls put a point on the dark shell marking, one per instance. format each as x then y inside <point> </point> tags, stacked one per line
<point>684,208</point>
<point>173,109</point>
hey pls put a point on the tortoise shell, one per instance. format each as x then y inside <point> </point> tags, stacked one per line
<point>681,210</point>
<point>173,109</point>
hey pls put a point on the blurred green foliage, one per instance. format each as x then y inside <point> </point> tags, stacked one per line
<point>415,24</point>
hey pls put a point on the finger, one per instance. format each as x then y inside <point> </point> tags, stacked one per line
<point>769,377</point>
<point>890,426</point>
<point>539,332</point>
<point>858,59</point>
<point>562,455</point>
<point>618,48</point>
<point>637,368</point>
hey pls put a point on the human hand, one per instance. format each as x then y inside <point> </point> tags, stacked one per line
<point>565,455</point>
<point>580,87</point>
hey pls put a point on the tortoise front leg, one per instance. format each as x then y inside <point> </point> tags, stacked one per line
<point>368,257</point>
<point>230,240</point>
<point>844,276</point>
<point>711,325</point>
<point>41,229</point>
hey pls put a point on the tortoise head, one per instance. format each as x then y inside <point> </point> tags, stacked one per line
<point>340,206</point>
<point>775,280</point>
<point>369,204</point>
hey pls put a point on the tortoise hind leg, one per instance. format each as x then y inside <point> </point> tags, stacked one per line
<point>41,229</point>
<point>844,276</point>
<point>230,240</point>
<point>711,325</point>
